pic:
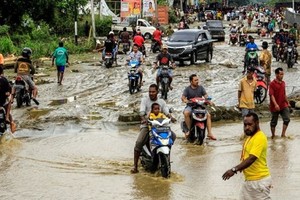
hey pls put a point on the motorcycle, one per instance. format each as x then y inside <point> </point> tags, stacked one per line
<point>133,76</point>
<point>280,52</point>
<point>243,39</point>
<point>155,47</point>
<point>233,38</point>
<point>108,59</point>
<point>290,56</point>
<point>251,58</point>
<point>199,119</point>
<point>164,81</point>
<point>156,155</point>
<point>126,47</point>
<point>23,92</point>
<point>3,126</point>
<point>260,93</point>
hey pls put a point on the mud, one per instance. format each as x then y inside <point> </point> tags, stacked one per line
<point>73,146</point>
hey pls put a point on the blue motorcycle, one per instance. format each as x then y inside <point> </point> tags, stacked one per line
<point>133,76</point>
<point>156,155</point>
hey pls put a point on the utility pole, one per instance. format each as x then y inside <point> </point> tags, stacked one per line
<point>75,25</point>
<point>156,11</point>
<point>93,19</point>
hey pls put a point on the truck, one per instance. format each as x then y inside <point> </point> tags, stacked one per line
<point>141,24</point>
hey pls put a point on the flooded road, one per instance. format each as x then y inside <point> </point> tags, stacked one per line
<point>72,146</point>
<point>76,162</point>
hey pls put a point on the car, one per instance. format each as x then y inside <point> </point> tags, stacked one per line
<point>190,45</point>
<point>216,29</point>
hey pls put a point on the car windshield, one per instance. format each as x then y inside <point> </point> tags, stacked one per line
<point>146,23</point>
<point>214,24</point>
<point>182,37</point>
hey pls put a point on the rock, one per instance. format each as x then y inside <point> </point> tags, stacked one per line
<point>228,63</point>
<point>129,117</point>
<point>297,105</point>
<point>75,70</point>
<point>108,103</point>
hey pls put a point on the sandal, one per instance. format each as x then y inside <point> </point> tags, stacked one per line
<point>134,171</point>
<point>211,137</point>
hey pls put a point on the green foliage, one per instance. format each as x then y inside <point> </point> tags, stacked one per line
<point>41,32</point>
<point>162,2</point>
<point>103,26</point>
<point>172,16</point>
<point>6,45</point>
<point>4,30</point>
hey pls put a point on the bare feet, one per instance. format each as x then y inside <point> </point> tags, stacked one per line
<point>134,171</point>
<point>273,136</point>
<point>186,134</point>
<point>13,127</point>
<point>283,136</point>
<point>211,137</point>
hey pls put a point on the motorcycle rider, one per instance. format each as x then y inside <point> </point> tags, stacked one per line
<point>138,56</point>
<point>164,58</point>
<point>5,99</point>
<point>139,40</point>
<point>124,36</point>
<point>291,41</point>
<point>192,91</point>
<point>145,108</point>
<point>233,30</point>
<point>265,60</point>
<point>110,45</point>
<point>25,69</point>
<point>157,34</point>
<point>294,31</point>
<point>250,45</point>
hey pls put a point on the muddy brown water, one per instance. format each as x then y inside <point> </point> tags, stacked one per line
<point>77,162</point>
<point>72,147</point>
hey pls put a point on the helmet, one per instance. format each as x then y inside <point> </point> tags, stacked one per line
<point>164,46</point>
<point>234,25</point>
<point>26,52</point>
<point>265,45</point>
<point>111,33</point>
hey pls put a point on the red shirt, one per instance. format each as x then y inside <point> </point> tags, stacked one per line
<point>277,89</point>
<point>139,40</point>
<point>157,35</point>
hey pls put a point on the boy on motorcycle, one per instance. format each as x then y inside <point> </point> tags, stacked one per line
<point>164,58</point>
<point>138,56</point>
<point>232,30</point>
<point>155,112</point>
<point>195,90</point>
<point>139,40</point>
<point>25,69</point>
<point>145,108</point>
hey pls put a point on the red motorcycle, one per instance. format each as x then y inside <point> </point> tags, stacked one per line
<point>260,93</point>
<point>198,118</point>
<point>233,38</point>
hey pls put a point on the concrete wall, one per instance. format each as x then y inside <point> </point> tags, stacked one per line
<point>292,17</point>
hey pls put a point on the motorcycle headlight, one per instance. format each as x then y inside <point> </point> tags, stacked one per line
<point>164,141</point>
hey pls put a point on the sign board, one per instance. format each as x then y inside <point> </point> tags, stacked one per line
<point>130,8</point>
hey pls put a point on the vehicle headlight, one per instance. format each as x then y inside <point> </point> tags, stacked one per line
<point>188,47</point>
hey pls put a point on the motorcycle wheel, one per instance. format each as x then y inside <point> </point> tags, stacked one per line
<point>27,100</point>
<point>200,135</point>
<point>260,94</point>
<point>165,167</point>
<point>132,86</point>
<point>289,62</point>
<point>19,100</point>
<point>164,90</point>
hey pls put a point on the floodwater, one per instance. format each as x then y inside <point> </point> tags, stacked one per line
<point>72,146</point>
<point>75,162</point>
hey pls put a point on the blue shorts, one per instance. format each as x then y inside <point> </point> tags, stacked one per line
<point>169,72</point>
<point>60,68</point>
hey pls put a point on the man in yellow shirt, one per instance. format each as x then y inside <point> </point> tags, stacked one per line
<point>257,183</point>
<point>265,60</point>
<point>246,91</point>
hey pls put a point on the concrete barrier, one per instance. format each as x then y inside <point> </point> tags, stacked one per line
<point>291,17</point>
